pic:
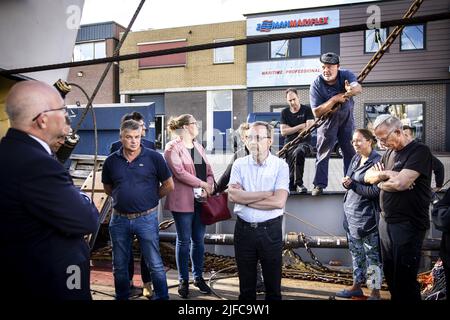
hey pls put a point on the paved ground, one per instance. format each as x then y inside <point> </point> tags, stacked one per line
<point>102,284</point>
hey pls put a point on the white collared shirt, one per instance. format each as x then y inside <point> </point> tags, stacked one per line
<point>43,143</point>
<point>271,175</point>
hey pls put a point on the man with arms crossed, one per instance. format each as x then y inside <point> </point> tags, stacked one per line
<point>404,177</point>
<point>259,187</point>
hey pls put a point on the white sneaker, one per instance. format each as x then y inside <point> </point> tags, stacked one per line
<point>147,290</point>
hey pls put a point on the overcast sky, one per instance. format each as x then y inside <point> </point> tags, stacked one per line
<point>174,13</point>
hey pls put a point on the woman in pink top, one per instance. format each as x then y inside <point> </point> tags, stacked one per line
<point>191,170</point>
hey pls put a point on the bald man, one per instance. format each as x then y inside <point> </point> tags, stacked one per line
<point>43,217</point>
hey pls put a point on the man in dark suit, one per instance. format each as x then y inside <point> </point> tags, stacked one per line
<point>137,116</point>
<point>43,217</point>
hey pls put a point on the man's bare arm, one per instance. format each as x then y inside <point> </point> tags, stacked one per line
<point>108,189</point>
<point>376,174</point>
<point>166,187</point>
<point>276,201</point>
<point>286,130</point>
<point>401,181</point>
<point>352,89</point>
<point>326,106</point>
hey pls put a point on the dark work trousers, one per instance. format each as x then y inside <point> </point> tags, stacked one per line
<point>263,242</point>
<point>296,161</point>
<point>145,273</point>
<point>401,245</point>
<point>338,128</point>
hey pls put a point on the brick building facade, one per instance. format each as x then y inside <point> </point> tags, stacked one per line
<point>412,79</point>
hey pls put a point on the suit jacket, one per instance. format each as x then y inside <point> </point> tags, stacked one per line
<point>181,199</point>
<point>43,219</point>
<point>118,144</point>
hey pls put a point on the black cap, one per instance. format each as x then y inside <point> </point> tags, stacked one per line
<point>329,58</point>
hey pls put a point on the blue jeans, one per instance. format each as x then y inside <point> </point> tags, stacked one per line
<point>122,230</point>
<point>190,231</point>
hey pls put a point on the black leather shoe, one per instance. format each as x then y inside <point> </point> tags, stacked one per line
<point>202,286</point>
<point>183,289</point>
<point>260,287</point>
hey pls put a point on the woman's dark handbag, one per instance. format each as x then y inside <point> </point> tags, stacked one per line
<point>215,209</point>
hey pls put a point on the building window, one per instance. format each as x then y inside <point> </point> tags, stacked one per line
<point>258,52</point>
<point>374,38</point>
<point>221,100</point>
<point>89,51</point>
<point>413,37</point>
<point>279,49</point>
<point>170,60</point>
<point>310,46</point>
<point>225,54</point>
<point>410,114</point>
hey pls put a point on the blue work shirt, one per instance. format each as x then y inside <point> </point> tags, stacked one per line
<point>320,92</point>
<point>135,184</point>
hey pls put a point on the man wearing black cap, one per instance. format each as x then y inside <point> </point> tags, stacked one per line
<point>333,86</point>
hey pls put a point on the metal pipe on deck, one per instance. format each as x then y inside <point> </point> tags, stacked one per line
<point>292,240</point>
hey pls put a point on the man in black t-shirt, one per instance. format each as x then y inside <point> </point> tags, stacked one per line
<point>436,164</point>
<point>295,119</point>
<point>404,177</point>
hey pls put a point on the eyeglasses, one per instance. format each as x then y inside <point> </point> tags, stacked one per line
<point>64,108</point>
<point>358,141</point>
<point>383,140</point>
<point>257,138</point>
<point>195,122</point>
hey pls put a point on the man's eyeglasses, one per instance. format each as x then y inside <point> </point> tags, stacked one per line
<point>383,140</point>
<point>64,108</point>
<point>257,138</point>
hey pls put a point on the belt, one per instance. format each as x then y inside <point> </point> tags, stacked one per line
<point>133,215</point>
<point>259,224</point>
